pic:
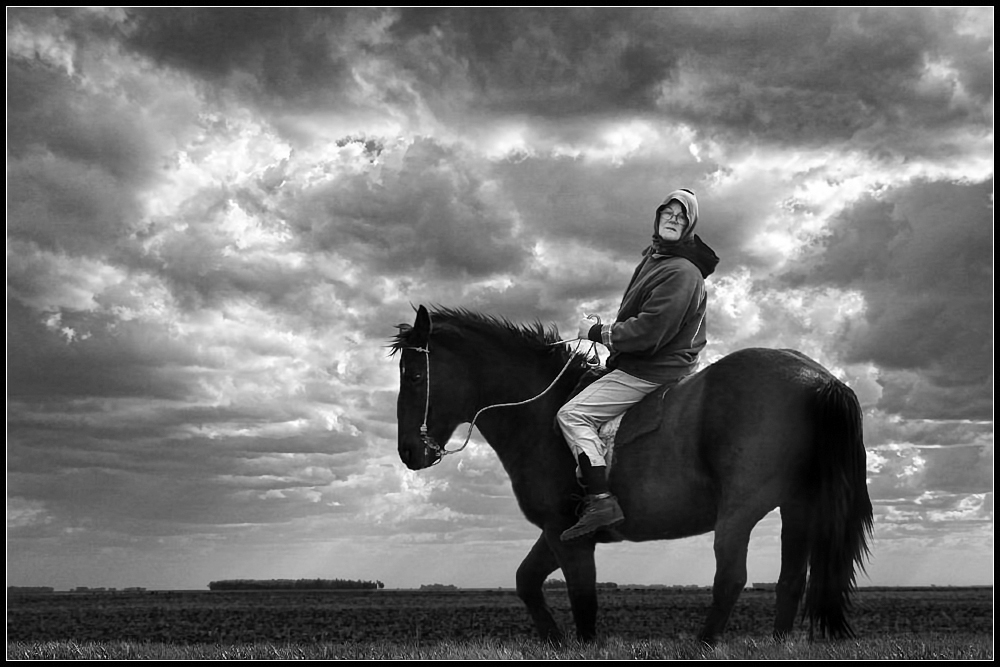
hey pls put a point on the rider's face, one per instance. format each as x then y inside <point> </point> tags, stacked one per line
<point>673,221</point>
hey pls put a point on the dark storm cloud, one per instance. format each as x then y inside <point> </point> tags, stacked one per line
<point>550,62</point>
<point>135,473</point>
<point>803,76</point>
<point>434,211</point>
<point>940,393</point>
<point>51,112</point>
<point>932,477</point>
<point>75,161</point>
<point>929,433</point>
<point>783,75</point>
<point>862,77</point>
<point>67,207</point>
<point>279,53</point>
<point>150,504</point>
<point>959,469</point>
<point>922,256</point>
<point>827,74</point>
<point>106,358</point>
<point>583,58</point>
<point>953,457</point>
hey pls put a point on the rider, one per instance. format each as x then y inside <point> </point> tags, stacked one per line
<point>655,341</point>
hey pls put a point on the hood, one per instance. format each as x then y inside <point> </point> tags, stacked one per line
<point>690,204</point>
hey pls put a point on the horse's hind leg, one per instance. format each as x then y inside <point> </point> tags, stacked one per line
<point>732,537</point>
<point>531,574</point>
<point>794,559</point>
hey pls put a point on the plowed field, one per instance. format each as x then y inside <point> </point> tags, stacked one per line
<point>375,615</point>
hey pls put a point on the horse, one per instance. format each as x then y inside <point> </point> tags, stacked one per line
<point>758,429</point>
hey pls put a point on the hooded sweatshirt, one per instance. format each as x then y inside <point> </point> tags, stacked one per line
<point>660,328</point>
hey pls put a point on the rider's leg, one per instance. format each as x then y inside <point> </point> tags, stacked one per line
<point>579,420</point>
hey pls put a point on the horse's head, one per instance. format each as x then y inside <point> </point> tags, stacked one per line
<point>436,389</point>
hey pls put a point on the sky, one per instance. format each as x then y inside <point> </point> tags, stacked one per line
<point>216,218</point>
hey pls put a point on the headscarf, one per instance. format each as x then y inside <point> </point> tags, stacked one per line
<point>685,198</point>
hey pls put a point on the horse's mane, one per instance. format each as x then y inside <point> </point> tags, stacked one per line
<point>534,337</point>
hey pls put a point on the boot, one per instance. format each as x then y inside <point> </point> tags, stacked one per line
<point>601,509</point>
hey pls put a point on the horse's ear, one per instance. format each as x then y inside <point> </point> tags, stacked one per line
<point>421,328</point>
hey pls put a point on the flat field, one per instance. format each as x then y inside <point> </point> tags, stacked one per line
<point>188,617</point>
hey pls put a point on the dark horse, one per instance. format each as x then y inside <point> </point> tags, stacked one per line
<point>757,430</point>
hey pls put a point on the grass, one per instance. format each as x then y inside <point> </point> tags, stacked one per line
<point>944,646</point>
<point>473,625</point>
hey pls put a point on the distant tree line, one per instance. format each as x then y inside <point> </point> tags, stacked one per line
<point>30,589</point>
<point>438,587</point>
<point>292,584</point>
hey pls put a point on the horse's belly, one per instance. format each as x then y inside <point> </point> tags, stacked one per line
<point>665,507</point>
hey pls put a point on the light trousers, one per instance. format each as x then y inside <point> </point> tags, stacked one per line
<point>606,398</point>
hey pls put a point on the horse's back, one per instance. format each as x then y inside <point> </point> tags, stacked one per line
<point>739,431</point>
<point>758,409</point>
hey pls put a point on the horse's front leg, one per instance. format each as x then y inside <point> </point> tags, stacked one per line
<point>576,558</point>
<point>531,574</point>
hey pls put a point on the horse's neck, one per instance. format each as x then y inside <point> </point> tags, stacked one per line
<point>526,397</point>
<point>527,440</point>
<point>514,380</point>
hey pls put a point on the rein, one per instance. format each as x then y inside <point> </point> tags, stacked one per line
<point>439,451</point>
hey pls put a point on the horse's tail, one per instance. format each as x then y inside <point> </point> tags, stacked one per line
<point>842,519</point>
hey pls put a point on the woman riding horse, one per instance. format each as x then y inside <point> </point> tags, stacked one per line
<point>756,430</point>
<point>655,341</point>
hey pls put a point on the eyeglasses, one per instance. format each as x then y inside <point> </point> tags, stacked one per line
<point>667,216</point>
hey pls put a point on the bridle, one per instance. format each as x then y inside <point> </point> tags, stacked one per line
<point>438,452</point>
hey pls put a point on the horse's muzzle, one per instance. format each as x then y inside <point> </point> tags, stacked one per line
<point>420,452</point>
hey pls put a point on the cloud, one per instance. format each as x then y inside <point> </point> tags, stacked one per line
<point>52,113</point>
<point>592,202</point>
<point>551,62</point>
<point>433,208</point>
<point>270,51</point>
<point>920,256</point>
<point>67,206</point>
<point>805,77</point>
<point>794,75</point>
<point>217,216</point>
<point>80,355</point>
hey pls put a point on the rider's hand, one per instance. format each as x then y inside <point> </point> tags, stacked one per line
<point>584,330</point>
